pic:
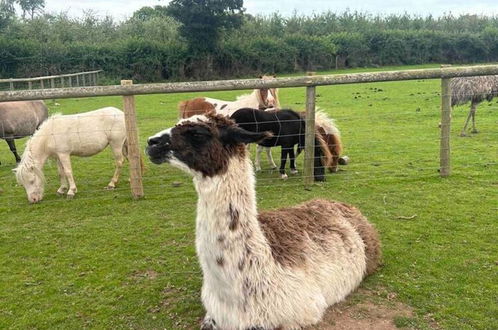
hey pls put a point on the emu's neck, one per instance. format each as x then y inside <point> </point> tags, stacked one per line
<point>228,231</point>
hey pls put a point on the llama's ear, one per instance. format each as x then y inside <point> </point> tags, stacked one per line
<point>236,135</point>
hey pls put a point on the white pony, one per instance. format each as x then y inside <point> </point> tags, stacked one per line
<point>59,137</point>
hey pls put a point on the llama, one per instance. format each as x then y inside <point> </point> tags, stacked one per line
<point>475,90</point>
<point>84,135</point>
<point>278,269</point>
<point>20,119</point>
<point>288,129</point>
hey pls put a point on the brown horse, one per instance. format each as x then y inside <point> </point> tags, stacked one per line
<point>20,119</point>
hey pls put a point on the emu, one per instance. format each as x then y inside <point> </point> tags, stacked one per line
<point>277,269</point>
<point>475,90</point>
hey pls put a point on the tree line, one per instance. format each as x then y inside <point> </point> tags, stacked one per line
<point>197,39</point>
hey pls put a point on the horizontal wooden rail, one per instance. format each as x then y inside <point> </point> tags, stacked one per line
<point>48,77</point>
<point>224,85</point>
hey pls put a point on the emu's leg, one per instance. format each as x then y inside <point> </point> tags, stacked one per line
<point>257,161</point>
<point>270,158</point>
<point>292,161</point>
<point>472,109</point>
<point>208,323</point>
<point>62,177</point>
<point>117,151</point>
<point>12,146</point>
<point>283,160</point>
<point>65,160</point>
<point>473,112</point>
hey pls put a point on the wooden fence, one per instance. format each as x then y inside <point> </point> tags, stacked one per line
<point>89,78</point>
<point>128,90</point>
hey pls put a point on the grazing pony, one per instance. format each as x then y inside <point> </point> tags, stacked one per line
<point>328,131</point>
<point>20,119</point>
<point>288,129</point>
<point>475,90</point>
<point>271,270</point>
<point>59,137</point>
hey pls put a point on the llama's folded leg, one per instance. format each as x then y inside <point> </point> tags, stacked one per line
<point>208,323</point>
<point>65,160</point>
<point>62,177</point>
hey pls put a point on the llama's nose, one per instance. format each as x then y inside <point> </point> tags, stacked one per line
<point>155,140</point>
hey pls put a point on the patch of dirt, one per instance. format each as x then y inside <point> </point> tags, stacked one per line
<point>364,309</point>
<point>148,274</point>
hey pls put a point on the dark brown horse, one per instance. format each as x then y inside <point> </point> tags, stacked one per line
<point>20,119</point>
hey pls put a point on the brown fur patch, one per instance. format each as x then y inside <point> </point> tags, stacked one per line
<point>220,261</point>
<point>367,232</point>
<point>234,217</point>
<point>197,106</point>
<point>293,232</point>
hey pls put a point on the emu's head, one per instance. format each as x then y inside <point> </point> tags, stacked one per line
<point>201,145</point>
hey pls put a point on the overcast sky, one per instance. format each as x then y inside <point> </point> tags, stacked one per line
<point>122,9</point>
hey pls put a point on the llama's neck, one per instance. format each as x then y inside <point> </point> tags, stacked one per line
<point>228,232</point>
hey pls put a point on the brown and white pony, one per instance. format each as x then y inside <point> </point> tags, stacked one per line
<point>265,98</point>
<point>277,269</point>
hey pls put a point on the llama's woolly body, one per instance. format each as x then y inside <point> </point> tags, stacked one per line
<point>290,290</point>
<point>277,269</point>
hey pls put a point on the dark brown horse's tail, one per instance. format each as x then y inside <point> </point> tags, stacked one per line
<point>125,154</point>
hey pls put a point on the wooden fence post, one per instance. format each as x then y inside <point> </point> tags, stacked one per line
<point>52,83</point>
<point>11,85</point>
<point>445,150</point>
<point>134,154</point>
<point>30,85</point>
<point>42,84</point>
<point>78,81</point>
<point>309,148</point>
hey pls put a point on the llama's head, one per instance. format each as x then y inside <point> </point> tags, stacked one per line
<point>201,145</point>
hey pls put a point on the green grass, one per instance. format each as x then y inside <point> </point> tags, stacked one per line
<point>103,260</point>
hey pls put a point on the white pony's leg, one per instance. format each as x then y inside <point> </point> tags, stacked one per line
<point>117,151</point>
<point>270,158</point>
<point>257,161</point>
<point>62,177</point>
<point>65,160</point>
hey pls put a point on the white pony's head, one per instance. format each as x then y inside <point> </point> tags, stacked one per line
<point>30,177</point>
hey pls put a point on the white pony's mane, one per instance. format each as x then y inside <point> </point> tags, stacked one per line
<point>27,163</point>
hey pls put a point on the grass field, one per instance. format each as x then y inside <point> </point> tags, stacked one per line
<point>103,260</point>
